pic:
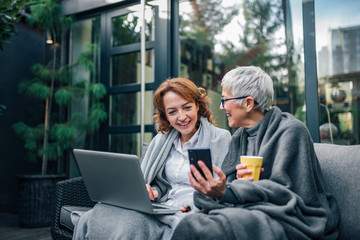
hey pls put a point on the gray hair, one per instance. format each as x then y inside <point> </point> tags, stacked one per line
<point>250,81</point>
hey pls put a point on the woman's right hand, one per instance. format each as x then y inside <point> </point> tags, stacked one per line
<point>152,192</point>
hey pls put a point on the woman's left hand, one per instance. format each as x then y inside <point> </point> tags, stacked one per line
<point>242,170</point>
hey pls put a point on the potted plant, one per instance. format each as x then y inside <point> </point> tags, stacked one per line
<point>55,86</point>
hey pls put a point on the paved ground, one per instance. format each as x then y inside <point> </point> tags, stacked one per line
<point>9,229</point>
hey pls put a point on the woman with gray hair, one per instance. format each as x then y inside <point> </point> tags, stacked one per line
<point>289,201</point>
<point>250,81</point>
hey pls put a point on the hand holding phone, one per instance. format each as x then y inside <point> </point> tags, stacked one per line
<point>203,154</point>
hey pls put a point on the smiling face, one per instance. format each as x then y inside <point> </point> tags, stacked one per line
<point>236,115</point>
<point>182,114</point>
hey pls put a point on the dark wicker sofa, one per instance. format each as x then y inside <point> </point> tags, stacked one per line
<point>68,193</point>
<point>340,167</point>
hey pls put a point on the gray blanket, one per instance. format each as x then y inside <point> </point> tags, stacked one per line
<point>289,201</point>
<point>108,222</point>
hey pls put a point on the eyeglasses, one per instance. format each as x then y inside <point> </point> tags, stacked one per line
<point>235,98</point>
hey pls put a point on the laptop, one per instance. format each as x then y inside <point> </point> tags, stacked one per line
<point>116,179</point>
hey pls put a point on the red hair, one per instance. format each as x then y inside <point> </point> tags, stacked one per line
<point>187,90</point>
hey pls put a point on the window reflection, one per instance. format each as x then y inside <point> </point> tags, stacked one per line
<point>125,108</point>
<point>126,29</point>
<point>85,34</point>
<point>338,54</point>
<point>127,143</point>
<point>126,68</point>
<point>216,38</point>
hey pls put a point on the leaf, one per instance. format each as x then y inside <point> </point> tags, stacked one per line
<point>5,3</point>
<point>42,73</point>
<point>38,90</point>
<point>26,132</point>
<point>65,75</point>
<point>32,137</point>
<point>9,12</point>
<point>98,90</point>
<point>63,96</point>
<point>30,145</point>
<point>96,116</point>
<point>79,88</point>
<point>19,128</point>
<point>52,151</point>
<point>45,14</point>
<point>86,58</point>
<point>64,134</point>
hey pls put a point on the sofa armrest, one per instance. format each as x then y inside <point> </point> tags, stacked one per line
<point>69,192</point>
<point>340,168</point>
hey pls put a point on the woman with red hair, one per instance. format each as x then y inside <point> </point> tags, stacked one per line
<point>183,121</point>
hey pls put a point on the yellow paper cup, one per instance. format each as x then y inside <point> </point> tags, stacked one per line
<point>254,163</point>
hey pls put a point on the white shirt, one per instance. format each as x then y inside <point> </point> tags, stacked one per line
<point>177,168</point>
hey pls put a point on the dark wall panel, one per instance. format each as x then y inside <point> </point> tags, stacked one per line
<point>25,48</point>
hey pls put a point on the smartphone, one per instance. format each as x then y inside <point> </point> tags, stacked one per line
<point>203,154</point>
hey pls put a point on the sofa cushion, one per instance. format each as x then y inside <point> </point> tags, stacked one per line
<point>65,215</point>
<point>341,170</point>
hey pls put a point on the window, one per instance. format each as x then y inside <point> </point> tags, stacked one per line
<point>339,86</point>
<point>216,38</point>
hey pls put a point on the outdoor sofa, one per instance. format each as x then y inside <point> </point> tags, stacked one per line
<point>340,168</point>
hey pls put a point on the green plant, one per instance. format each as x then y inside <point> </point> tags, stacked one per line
<point>56,87</point>
<point>9,14</point>
<point>48,140</point>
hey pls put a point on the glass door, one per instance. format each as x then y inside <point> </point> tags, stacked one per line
<point>116,33</point>
<point>123,31</point>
